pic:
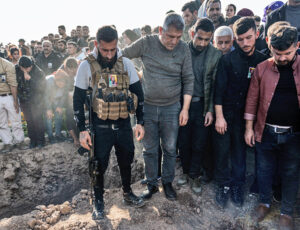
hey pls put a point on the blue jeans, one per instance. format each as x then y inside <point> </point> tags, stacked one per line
<point>231,146</point>
<point>283,148</point>
<point>161,125</point>
<point>57,123</point>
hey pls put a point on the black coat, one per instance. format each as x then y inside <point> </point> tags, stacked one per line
<point>232,79</point>
<point>275,16</point>
<point>33,90</point>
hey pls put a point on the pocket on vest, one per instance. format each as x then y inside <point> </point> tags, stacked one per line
<point>113,110</point>
<point>123,110</point>
<point>101,108</point>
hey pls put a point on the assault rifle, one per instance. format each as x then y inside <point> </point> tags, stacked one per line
<point>93,163</point>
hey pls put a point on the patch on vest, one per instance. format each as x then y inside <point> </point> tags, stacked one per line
<point>113,80</point>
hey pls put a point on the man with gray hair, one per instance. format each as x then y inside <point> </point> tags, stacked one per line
<point>168,75</point>
<point>223,39</point>
<point>49,61</point>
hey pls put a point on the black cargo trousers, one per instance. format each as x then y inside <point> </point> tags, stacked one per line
<point>117,134</point>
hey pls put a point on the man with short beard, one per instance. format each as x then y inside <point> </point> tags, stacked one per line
<point>51,37</point>
<point>83,42</point>
<point>78,33</point>
<point>273,101</point>
<point>62,48</point>
<point>62,32</point>
<point>38,48</point>
<point>32,45</point>
<point>194,136</point>
<point>72,49</point>
<point>232,82</point>
<point>213,11</point>
<point>48,60</point>
<point>113,78</point>
<point>189,14</point>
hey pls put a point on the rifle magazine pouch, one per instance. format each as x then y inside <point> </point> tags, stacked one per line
<point>113,110</point>
<point>101,108</point>
<point>123,110</point>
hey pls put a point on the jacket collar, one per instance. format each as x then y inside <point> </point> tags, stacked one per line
<point>294,66</point>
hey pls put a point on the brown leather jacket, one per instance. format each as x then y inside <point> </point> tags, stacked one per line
<point>262,87</point>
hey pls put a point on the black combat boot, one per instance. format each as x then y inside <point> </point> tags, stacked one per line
<point>169,191</point>
<point>131,199</point>
<point>98,210</point>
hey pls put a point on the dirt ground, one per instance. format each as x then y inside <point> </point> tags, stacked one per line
<point>73,212</point>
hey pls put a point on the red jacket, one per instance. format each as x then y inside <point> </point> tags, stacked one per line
<point>262,87</point>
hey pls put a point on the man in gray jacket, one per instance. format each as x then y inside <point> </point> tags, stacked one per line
<point>168,74</point>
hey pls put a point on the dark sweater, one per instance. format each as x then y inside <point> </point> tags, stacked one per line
<point>284,108</point>
<point>198,60</point>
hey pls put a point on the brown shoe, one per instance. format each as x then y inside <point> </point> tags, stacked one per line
<point>261,212</point>
<point>285,222</point>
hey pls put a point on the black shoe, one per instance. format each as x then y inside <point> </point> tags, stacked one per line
<point>39,146</point>
<point>277,195</point>
<point>151,189</point>
<point>237,195</point>
<point>7,148</point>
<point>205,178</point>
<point>22,146</point>
<point>131,199</point>
<point>59,139</point>
<point>222,195</point>
<point>52,140</point>
<point>32,145</point>
<point>144,181</point>
<point>98,210</point>
<point>169,191</point>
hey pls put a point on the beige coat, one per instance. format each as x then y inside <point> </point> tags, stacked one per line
<point>7,76</point>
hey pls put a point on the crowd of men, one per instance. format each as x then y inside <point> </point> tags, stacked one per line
<point>200,88</point>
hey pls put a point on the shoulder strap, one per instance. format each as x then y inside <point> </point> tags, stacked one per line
<point>95,67</point>
<point>120,65</point>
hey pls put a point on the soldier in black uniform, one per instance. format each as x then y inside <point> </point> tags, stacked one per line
<point>115,84</point>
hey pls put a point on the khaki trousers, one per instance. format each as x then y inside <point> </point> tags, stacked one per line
<point>8,113</point>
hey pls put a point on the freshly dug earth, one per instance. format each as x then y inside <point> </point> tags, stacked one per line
<point>188,212</point>
<point>50,175</point>
<point>50,189</point>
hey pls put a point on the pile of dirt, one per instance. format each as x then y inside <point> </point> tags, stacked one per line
<point>49,189</point>
<point>50,175</point>
<point>188,212</point>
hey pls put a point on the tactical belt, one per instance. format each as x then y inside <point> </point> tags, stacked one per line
<point>6,94</point>
<point>110,126</point>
